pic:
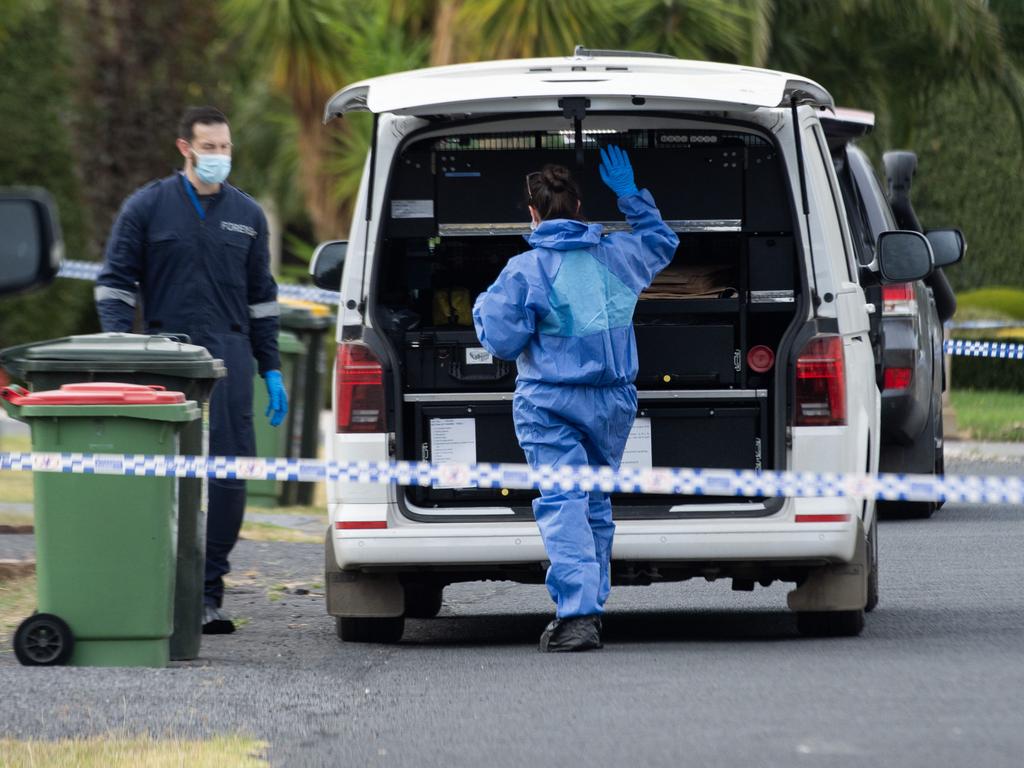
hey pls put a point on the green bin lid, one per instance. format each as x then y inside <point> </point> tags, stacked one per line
<point>301,318</point>
<point>114,352</point>
<point>288,343</point>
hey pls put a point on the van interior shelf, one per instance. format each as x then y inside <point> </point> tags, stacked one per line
<point>665,394</point>
<point>520,228</point>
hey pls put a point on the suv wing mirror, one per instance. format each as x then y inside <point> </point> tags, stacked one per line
<point>327,263</point>
<point>904,256</point>
<point>31,247</point>
<point>948,245</point>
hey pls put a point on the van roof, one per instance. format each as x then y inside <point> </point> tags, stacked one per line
<point>529,85</point>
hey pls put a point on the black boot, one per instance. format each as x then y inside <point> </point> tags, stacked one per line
<point>577,633</point>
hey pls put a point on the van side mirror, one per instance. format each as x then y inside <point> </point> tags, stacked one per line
<point>328,261</point>
<point>904,256</point>
<point>948,245</point>
<point>31,247</point>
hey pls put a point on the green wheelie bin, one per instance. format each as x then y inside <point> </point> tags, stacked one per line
<point>105,543</point>
<point>309,322</point>
<point>164,360</point>
<point>273,442</point>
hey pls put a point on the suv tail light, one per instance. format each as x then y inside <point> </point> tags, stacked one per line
<point>821,383</point>
<point>898,378</point>
<point>359,378</point>
<point>899,299</point>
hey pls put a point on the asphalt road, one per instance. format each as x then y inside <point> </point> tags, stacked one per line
<point>692,674</point>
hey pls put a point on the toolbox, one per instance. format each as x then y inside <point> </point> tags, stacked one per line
<point>438,360</point>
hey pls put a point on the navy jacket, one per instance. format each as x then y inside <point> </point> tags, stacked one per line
<point>204,277</point>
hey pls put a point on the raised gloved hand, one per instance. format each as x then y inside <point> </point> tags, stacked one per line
<point>616,171</point>
<point>277,409</point>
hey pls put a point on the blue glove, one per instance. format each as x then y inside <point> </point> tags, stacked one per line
<point>616,171</point>
<point>277,409</point>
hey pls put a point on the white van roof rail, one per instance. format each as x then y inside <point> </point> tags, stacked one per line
<point>581,51</point>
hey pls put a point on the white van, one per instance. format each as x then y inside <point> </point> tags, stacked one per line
<point>753,344</point>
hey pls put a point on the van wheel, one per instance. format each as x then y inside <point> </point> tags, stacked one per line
<point>872,552</point>
<point>830,623</point>
<point>370,630</point>
<point>422,601</point>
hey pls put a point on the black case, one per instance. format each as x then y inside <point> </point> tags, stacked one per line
<point>686,356</point>
<point>441,360</point>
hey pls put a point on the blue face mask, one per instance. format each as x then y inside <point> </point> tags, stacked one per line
<point>212,169</point>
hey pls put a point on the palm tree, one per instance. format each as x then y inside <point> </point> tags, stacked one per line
<point>298,45</point>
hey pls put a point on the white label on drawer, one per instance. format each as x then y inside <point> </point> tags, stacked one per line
<point>638,453</point>
<point>453,441</point>
<point>478,356</point>
<point>412,209</point>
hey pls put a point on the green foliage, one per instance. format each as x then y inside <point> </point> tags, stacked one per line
<point>990,415</point>
<point>970,163</point>
<point>35,150</point>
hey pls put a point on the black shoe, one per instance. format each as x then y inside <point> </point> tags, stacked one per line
<point>215,622</point>
<point>577,633</point>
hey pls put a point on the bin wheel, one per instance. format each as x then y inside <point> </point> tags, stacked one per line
<point>43,640</point>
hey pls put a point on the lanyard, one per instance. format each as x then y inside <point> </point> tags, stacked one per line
<point>194,198</point>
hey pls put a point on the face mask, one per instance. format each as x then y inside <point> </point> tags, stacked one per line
<point>212,169</point>
<point>533,225</point>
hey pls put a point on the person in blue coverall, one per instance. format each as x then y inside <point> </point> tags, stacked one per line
<point>194,250</point>
<point>564,312</point>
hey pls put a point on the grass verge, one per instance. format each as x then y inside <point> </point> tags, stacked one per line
<point>990,302</point>
<point>17,601</point>
<point>992,415</point>
<point>252,531</point>
<point>114,751</point>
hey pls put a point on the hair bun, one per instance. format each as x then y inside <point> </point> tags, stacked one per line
<point>557,177</point>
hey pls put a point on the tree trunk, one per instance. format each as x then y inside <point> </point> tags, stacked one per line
<point>442,49</point>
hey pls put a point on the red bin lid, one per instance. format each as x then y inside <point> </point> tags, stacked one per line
<point>101,393</point>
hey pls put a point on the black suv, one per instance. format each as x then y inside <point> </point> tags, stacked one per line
<point>907,322</point>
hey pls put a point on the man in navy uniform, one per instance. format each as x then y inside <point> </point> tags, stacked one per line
<point>194,249</point>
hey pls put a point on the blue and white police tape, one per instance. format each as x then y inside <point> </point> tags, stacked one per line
<point>992,489</point>
<point>978,325</point>
<point>998,349</point>
<point>90,270</point>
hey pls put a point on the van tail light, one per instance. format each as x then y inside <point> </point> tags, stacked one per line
<point>898,378</point>
<point>899,299</point>
<point>821,384</point>
<point>359,382</point>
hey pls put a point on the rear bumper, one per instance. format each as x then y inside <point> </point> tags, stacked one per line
<point>777,538</point>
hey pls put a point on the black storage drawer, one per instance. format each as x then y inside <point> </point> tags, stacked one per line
<point>494,435</point>
<point>442,360</point>
<point>728,436</point>
<point>686,356</point>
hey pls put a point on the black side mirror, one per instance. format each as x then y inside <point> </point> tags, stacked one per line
<point>31,248</point>
<point>328,261</point>
<point>948,245</point>
<point>904,256</point>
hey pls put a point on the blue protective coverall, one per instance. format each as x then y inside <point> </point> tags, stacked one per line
<point>206,275</point>
<point>564,312</point>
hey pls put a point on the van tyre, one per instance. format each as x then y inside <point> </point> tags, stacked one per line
<point>830,623</point>
<point>423,601</point>
<point>43,640</point>
<point>370,630</point>
<point>872,552</point>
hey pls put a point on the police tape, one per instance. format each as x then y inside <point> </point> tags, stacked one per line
<point>90,270</point>
<point>748,483</point>
<point>977,325</point>
<point>997,349</point>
